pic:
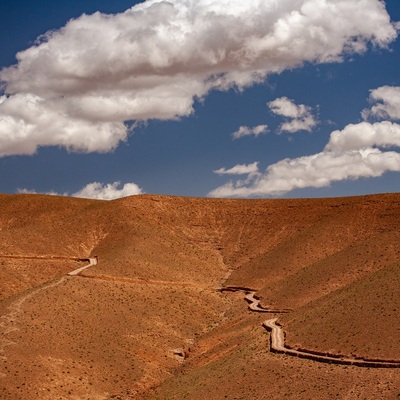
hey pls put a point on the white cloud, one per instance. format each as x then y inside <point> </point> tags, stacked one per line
<point>247,131</point>
<point>364,135</point>
<point>240,169</point>
<point>29,191</point>
<point>78,85</point>
<point>349,154</point>
<point>27,121</point>
<point>109,191</point>
<point>388,103</point>
<point>98,191</point>
<point>287,108</point>
<point>300,116</point>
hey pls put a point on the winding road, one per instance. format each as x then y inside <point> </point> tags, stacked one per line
<point>278,346</point>
<point>254,305</point>
<point>253,300</point>
<point>277,338</point>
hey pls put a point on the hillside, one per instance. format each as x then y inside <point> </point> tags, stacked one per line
<point>148,316</point>
<point>363,322</point>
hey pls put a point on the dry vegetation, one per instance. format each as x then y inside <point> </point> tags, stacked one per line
<point>147,322</point>
<point>19,275</point>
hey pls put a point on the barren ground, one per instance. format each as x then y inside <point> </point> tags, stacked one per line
<point>148,322</point>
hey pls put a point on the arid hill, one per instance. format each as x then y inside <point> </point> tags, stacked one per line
<point>148,321</point>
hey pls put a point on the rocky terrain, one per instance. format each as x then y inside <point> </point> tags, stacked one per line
<point>148,321</point>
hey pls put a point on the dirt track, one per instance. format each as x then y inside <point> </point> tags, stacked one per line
<point>140,281</point>
<point>256,306</point>
<point>9,321</point>
<point>277,338</point>
<point>278,346</point>
<point>92,262</point>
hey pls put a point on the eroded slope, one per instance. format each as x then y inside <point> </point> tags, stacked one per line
<point>126,325</point>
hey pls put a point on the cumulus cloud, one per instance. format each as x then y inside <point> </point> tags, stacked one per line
<point>299,117</point>
<point>109,191</point>
<point>363,135</point>
<point>98,191</point>
<point>247,131</point>
<point>77,87</point>
<point>240,169</point>
<point>387,99</point>
<point>350,154</point>
<point>318,170</point>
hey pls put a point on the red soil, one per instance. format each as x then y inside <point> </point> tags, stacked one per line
<point>334,261</point>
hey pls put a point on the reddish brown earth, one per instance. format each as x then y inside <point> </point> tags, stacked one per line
<point>147,322</point>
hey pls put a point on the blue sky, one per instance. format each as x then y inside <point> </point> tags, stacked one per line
<point>172,132</point>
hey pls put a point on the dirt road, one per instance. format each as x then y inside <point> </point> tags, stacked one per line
<point>9,321</point>
<point>278,346</point>
<point>92,262</point>
<point>277,338</point>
